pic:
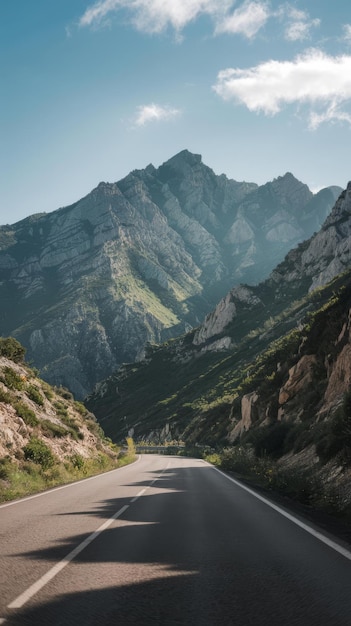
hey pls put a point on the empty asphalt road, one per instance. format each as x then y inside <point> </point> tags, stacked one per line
<point>166,541</point>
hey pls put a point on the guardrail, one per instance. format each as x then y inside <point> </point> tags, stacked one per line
<point>158,449</point>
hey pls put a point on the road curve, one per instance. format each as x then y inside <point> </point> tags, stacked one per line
<point>168,541</point>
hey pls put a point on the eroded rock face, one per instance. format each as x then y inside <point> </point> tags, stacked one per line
<point>300,377</point>
<point>142,260</point>
<point>326,254</point>
<point>225,312</point>
<point>249,415</point>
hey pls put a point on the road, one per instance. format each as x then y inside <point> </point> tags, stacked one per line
<point>167,541</point>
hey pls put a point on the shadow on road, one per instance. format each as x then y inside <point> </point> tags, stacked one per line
<point>193,553</point>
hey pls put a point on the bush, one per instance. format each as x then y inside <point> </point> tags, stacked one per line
<point>12,379</point>
<point>26,414</point>
<point>12,349</point>
<point>48,392</point>
<point>64,393</point>
<point>94,427</point>
<point>34,394</point>
<point>5,396</point>
<point>5,469</point>
<point>269,440</point>
<point>38,452</point>
<point>61,409</point>
<point>50,429</point>
<point>238,459</point>
<point>79,406</point>
<point>77,461</point>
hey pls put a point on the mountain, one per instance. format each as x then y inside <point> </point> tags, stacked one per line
<point>274,355</point>
<point>86,287</point>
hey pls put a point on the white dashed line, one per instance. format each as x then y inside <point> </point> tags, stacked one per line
<point>138,495</point>
<point>44,580</point>
<point>39,584</point>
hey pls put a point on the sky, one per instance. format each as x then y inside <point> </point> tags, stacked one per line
<point>93,89</point>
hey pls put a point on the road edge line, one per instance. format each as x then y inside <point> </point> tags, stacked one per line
<point>309,529</point>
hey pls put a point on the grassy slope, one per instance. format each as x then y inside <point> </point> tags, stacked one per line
<point>47,438</point>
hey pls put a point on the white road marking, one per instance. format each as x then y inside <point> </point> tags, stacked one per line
<point>318,535</point>
<point>138,495</point>
<point>39,584</point>
<point>44,580</point>
<point>44,493</point>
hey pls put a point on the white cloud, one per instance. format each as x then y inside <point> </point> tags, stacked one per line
<point>314,79</point>
<point>249,16</point>
<point>347,32</point>
<point>247,20</point>
<point>298,24</point>
<point>98,11</point>
<point>154,113</point>
<point>154,16</point>
<point>299,30</point>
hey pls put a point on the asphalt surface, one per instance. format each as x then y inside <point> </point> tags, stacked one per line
<point>168,541</point>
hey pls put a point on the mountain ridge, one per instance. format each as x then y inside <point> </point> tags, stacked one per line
<point>203,375</point>
<point>86,287</point>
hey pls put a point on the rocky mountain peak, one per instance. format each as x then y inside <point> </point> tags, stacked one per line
<point>183,158</point>
<point>141,260</point>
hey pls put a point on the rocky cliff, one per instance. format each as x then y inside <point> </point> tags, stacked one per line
<point>266,354</point>
<point>86,287</point>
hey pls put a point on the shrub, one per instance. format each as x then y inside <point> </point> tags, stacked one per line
<point>48,392</point>
<point>77,461</point>
<point>5,396</point>
<point>12,379</point>
<point>95,428</point>
<point>64,393</point>
<point>26,414</point>
<point>61,409</point>
<point>269,439</point>
<point>79,406</point>
<point>51,429</point>
<point>72,426</point>
<point>5,469</point>
<point>12,349</point>
<point>38,452</point>
<point>238,459</point>
<point>131,447</point>
<point>34,394</point>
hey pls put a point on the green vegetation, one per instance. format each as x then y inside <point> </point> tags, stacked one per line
<point>304,485</point>
<point>12,380</point>
<point>38,452</point>
<point>198,394</point>
<point>26,413</point>
<point>12,349</point>
<point>35,467</point>
<point>34,394</point>
<point>52,429</point>
<point>5,396</point>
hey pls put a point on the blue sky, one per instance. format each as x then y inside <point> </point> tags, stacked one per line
<point>94,89</point>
